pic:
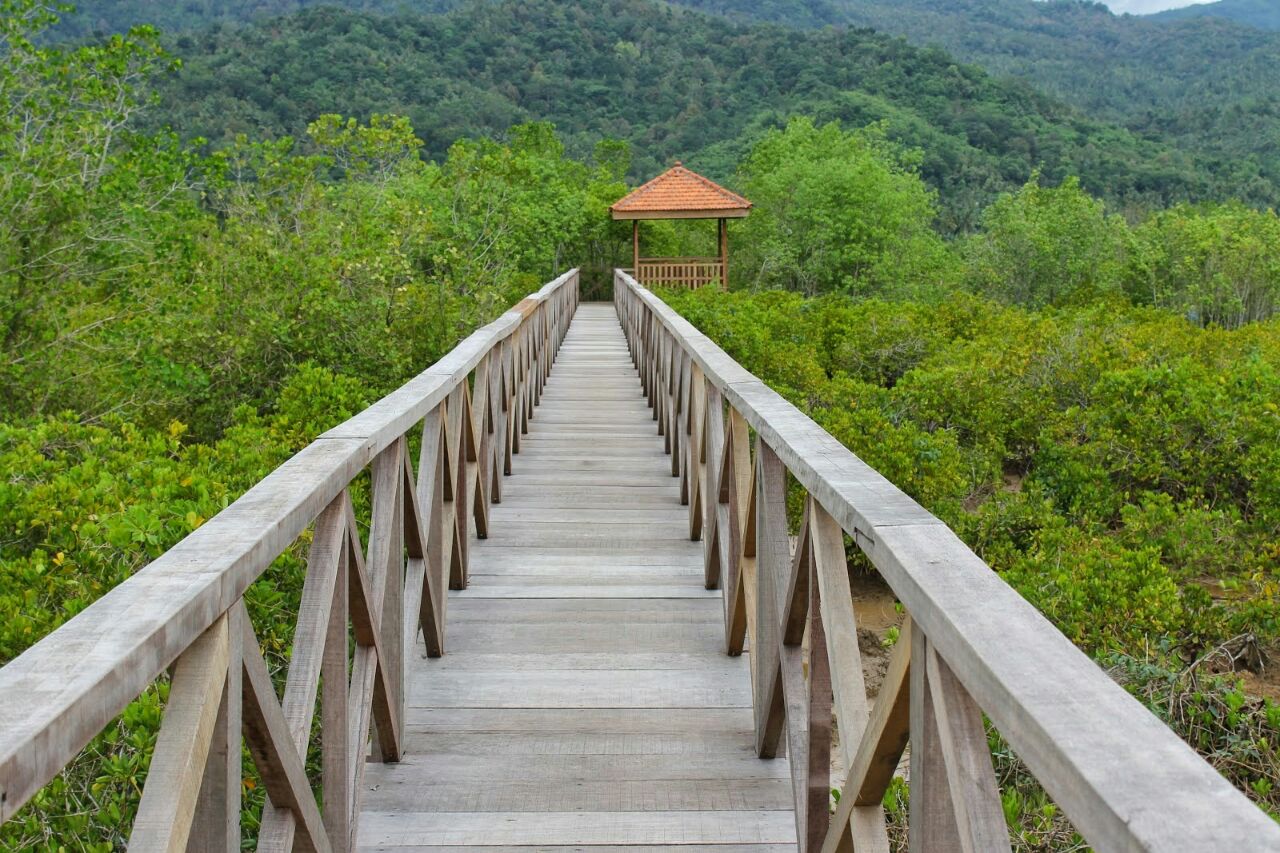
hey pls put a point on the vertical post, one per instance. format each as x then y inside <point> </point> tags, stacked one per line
<point>334,726</point>
<point>714,551</point>
<point>817,810</point>
<point>635,248</point>
<point>931,815</point>
<point>216,826</point>
<point>724,254</point>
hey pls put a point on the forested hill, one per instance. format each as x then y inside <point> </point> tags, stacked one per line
<point>1264,14</point>
<point>1206,84</point>
<point>672,82</point>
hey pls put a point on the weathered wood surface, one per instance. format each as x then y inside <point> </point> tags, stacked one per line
<point>585,698</point>
<point>1125,779</point>
<point>62,691</point>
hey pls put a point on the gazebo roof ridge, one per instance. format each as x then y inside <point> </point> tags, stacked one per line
<point>680,193</point>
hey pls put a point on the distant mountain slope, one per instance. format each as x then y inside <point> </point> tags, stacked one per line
<point>109,16</point>
<point>672,82</point>
<point>1264,14</point>
<point>1206,84</point>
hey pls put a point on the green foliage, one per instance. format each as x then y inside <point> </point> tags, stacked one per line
<point>846,212</point>
<point>1114,464</point>
<point>1256,13</point>
<point>1047,245</point>
<point>839,211</point>
<point>673,83</point>
<point>175,326</point>
<point>1218,263</point>
<point>82,508</point>
<point>1193,77</point>
<point>1206,86</point>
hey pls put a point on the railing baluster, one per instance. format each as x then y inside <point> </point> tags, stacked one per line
<point>433,467</point>
<point>735,486</point>
<point>216,825</point>
<point>386,566</point>
<point>715,549</point>
<point>772,562</point>
<point>306,658</point>
<point>955,801</point>
<point>848,685</point>
<point>279,763</point>
<point>334,723</point>
<point>679,417</point>
<point>818,791</point>
<point>479,447</point>
<point>859,816</point>
<point>177,768</point>
<point>696,452</point>
<point>456,487</point>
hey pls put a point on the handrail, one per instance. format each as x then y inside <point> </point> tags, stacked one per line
<point>689,259</point>
<point>973,644</point>
<point>681,272</point>
<point>185,607</point>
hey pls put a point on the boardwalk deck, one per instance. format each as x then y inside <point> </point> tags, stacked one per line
<point>585,700</point>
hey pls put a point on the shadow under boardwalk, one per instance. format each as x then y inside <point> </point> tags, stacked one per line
<point>584,701</point>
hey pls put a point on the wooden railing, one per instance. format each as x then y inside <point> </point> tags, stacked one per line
<point>186,609</point>
<point>971,645</point>
<point>680,272</point>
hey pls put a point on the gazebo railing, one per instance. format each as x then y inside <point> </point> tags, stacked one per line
<point>680,272</point>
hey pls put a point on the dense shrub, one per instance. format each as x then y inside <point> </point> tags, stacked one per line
<point>1117,465</point>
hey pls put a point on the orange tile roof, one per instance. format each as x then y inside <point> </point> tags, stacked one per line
<point>679,190</point>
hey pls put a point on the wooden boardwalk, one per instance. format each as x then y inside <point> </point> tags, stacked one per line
<point>585,700</point>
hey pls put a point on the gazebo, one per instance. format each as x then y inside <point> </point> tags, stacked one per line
<point>679,193</point>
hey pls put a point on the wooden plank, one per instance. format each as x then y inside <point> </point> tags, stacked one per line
<point>168,805</point>
<point>593,848</point>
<point>583,689</point>
<point>432,795</point>
<point>550,828</point>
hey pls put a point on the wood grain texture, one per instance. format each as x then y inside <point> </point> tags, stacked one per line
<point>586,699</point>
<point>278,761</point>
<point>168,805</point>
<point>1116,770</point>
<point>63,690</point>
<point>216,827</point>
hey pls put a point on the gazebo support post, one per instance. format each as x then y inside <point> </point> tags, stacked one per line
<point>635,248</point>
<point>724,254</point>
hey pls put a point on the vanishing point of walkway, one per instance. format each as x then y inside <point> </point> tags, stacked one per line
<point>584,701</point>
